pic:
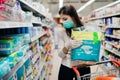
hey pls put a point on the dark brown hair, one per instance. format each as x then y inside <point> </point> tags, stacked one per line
<point>71,11</point>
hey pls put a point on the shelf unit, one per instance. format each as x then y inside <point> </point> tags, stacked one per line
<point>106,16</point>
<point>111,44</point>
<point>37,37</point>
<point>12,24</point>
<point>17,66</point>
<point>27,7</point>
<point>113,52</point>
<point>35,58</point>
<point>112,36</point>
<point>41,66</point>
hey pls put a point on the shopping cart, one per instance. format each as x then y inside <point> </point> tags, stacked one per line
<point>110,73</point>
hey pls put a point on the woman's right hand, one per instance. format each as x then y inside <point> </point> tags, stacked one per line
<point>71,44</point>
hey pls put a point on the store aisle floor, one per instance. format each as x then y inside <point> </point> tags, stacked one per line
<point>56,61</point>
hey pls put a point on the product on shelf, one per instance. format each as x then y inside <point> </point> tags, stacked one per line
<point>106,11</point>
<point>28,68</point>
<point>9,2</point>
<point>13,77</point>
<point>4,68</point>
<point>21,74</point>
<point>11,43</point>
<point>22,60</point>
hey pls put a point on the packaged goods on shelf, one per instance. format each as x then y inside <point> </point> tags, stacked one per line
<point>118,7</point>
<point>39,7</point>
<point>10,2</point>
<point>28,16</point>
<point>12,43</point>
<point>3,13</point>
<point>12,59</point>
<point>106,11</point>
<point>113,21</point>
<point>13,77</point>
<point>10,13</point>
<point>15,13</point>
<point>21,74</point>
<point>35,31</point>
<point>4,68</point>
<point>29,1</point>
<point>28,67</point>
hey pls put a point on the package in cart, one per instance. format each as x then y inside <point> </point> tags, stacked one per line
<point>90,48</point>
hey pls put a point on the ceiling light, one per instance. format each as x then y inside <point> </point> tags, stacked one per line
<point>84,6</point>
<point>60,3</point>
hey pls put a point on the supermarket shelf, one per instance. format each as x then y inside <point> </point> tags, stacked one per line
<point>114,52</point>
<point>37,23</point>
<point>10,24</point>
<point>44,41</point>
<point>112,26</point>
<point>35,58</point>
<point>43,76</point>
<point>28,7</point>
<point>45,57</point>
<point>37,37</point>
<point>41,66</point>
<point>115,45</point>
<point>109,42</point>
<point>106,57</point>
<point>112,36</point>
<point>17,66</point>
<point>106,16</point>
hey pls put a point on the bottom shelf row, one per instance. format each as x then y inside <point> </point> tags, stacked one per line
<point>29,69</point>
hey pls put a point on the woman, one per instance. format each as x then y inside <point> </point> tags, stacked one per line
<point>69,19</point>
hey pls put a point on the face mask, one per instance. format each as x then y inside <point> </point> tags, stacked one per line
<point>68,24</point>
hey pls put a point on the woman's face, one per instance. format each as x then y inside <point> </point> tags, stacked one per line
<point>64,17</point>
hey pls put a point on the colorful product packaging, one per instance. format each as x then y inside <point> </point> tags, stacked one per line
<point>4,68</point>
<point>21,74</point>
<point>28,67</point>
<point>6,46</point>
<point>90,48</point>
<point>10,2</point>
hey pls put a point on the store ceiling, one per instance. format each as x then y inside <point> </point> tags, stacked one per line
<point>53,5</point>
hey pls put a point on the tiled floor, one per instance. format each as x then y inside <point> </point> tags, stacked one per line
<point>56,61</point>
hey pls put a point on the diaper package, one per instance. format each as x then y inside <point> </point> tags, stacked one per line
<point>21,75</point>
<point>6,46</point>
<point>90,48</point>
<point>4,68</point>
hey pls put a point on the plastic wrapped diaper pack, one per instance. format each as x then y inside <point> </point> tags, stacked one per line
<point>4,68</point>
<point>90,48</point>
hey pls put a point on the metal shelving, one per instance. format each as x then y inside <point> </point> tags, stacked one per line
<point>114,52</point>
<point>27,7</point>
<point>11,24</point>
<point>37,37</point>
<point>41,66</point>
<point>106,16</point>
<point>17,66</point>
<point>112,36</point>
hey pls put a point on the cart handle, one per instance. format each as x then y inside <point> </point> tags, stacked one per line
<point>116,63</point>
<point>75,70</point>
